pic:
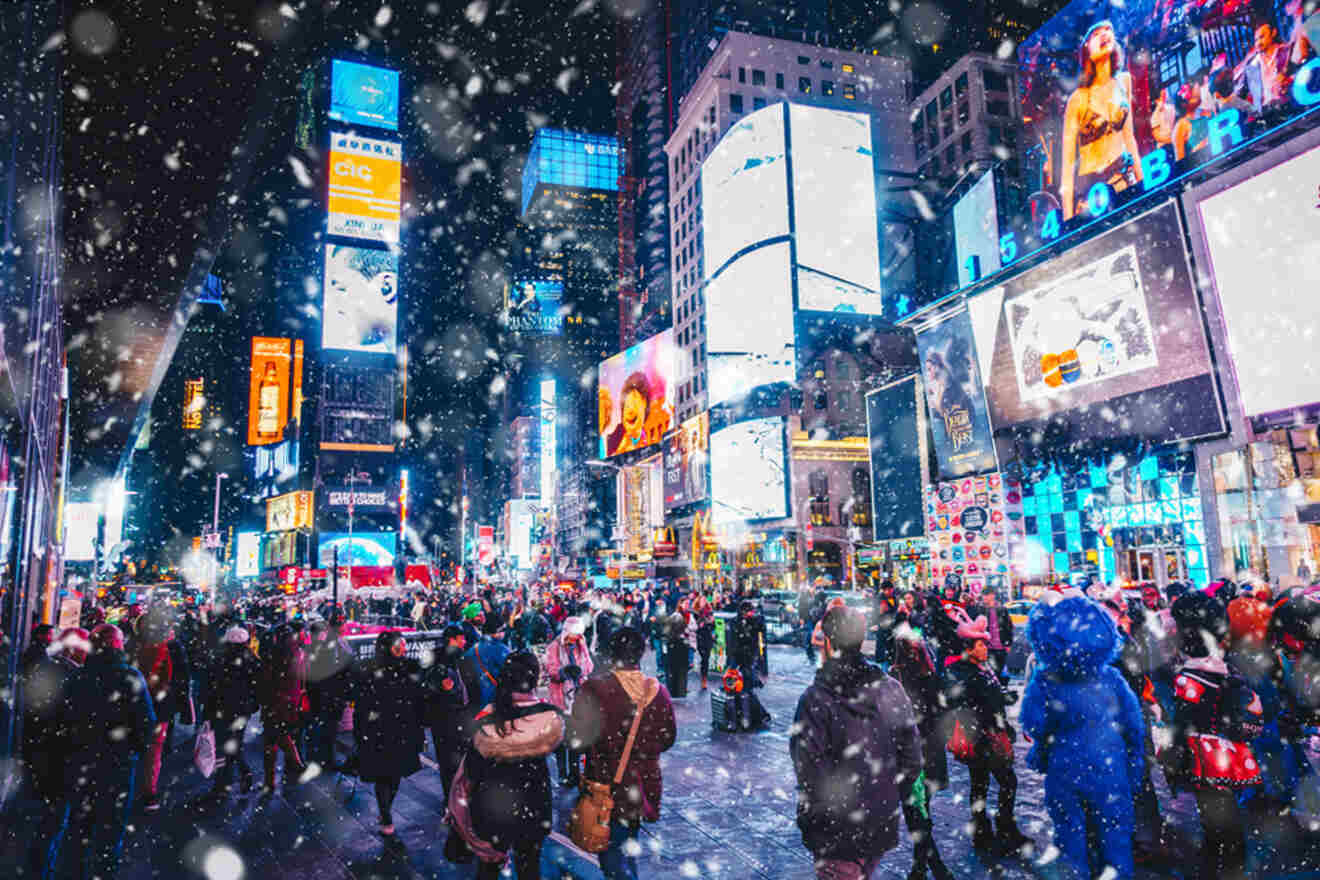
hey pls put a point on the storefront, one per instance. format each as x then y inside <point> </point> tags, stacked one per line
<point>767,561</point>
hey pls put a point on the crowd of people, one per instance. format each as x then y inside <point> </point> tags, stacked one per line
<point>1218,689</point>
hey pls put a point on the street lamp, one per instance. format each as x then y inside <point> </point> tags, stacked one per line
<point>215,530</point>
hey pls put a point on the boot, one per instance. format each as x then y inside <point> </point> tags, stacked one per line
<point>926,857</point>
<point>983,833</point>
<point>703,682</point>
<point>938,869</point>
<point>1011,838</point>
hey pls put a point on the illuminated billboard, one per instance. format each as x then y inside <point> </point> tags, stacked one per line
<point>292,510</point>
<point>749,471</point>
<point>375,549</point>
<point>976,231</point>
<point>247,555</point>
<point>895,434</point>
<point>1116,93</point>
<point>1104,340</point>
<point>637,512</point>
<point>274,390</point>
<point>834,207</point>
<point>744,187</point>
<point>364,95</point>
<point>636,395</point>
<point>749,324</point>
<point>569,159</point>
<point>365,188</point>
<point>194,403</point>
<point>361,311</point>
<point>535,307</point>
<point>687,461</point>
<point>81,521</point>
<point>358,409</point>
<point>1264,252</point>
<point>522,520</point>
<point>549,441</point>
<point>955,398</point>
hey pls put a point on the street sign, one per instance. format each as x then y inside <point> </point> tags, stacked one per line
<point>211,540</point>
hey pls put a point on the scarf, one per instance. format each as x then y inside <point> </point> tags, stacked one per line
<point>634,683</point>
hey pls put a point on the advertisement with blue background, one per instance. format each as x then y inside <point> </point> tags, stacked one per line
<point>366,548</point>
<point>963,442</point>
<point>894,431</point>
<point>534,307</point>
<point>364,95</point>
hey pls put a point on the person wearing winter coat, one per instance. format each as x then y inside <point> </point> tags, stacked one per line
<point>978,701</point>
<point>1088,736</point>
<point>388,716</point>
<point>510,795</point>
<point>856,755</point>
<point>483,661</point>
<point>329,678</point>
<point>47,668</point>
<point>568,663</point>
<point>1216,715</point>
<point>678,652</point>
<point>231,701</point>
<point>156,663</point>
<point>703,612</point>
<point>283,695</point>
<point>602,715</point>
<point>446,705</point>
<point>108,722</point>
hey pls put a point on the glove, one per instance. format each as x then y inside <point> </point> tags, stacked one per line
<point>572,673</point>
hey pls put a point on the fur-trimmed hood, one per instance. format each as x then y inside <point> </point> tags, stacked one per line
<point>532,736</point>
<point>1073,639</point>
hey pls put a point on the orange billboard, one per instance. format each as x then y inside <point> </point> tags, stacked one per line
<point>274,389</point>
<point>365,187</point>
<point>194,402</point>
<point>292,510</point>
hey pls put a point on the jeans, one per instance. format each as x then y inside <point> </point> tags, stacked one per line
<point>275,739</point>
<point>448,754</point>
<point>1225,850</point>
<point>981,768</point>
<point>324,730</point>
<point>229,748</point>
<point>526,864</point>
<point>386,790</point>
<point>95,817</point>
<point>619,860</point>
<point>46,777</point>
<point>155,752</point>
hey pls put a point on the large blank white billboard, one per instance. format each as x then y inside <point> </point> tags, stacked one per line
<point>744,187</point>
<point>81,519</point>
<point>1264,245</point>
<point>748,473</point>
<point>834,206</point>
<point>749,324</point>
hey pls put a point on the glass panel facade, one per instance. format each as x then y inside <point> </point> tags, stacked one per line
<point>570,158</point>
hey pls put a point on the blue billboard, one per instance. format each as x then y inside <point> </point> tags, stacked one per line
<point>894,432</point>
<point>364,95</point>
<point>365,548</point>
<point>570,158</point>
<point>535,307</point>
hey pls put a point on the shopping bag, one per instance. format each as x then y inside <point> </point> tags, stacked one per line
<point>346,719</point>
<point>960,745</point>
<point>204,750</point>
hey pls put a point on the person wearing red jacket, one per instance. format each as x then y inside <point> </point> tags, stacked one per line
<point>284,704</point>
<point>154,660</point>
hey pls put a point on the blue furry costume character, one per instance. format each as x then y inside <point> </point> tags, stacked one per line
<point>1087,732</point>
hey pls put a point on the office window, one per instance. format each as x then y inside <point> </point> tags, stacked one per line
<point>803,59</point>
<point>758,77</point>
<point>946,125</point>
<point>998,108</point>
<point>950,156</point>
<point>758,103</point>
<point>849,92</point>
<point>921,149</point>
<point>996,135</point>
<point>1010,136</point>
<point>967,142</point>
<point>946,99</point>
<point>960,85</point>
<point>847,68</point>
<point>742,74</point>
<point>994,82</point>
<point>804,84</point>
<point>779,80</point>
<point>931,113</point>
<point>735,104</point>
<point>828,65</point>
<point>962,113</point>
<point>826,87</point>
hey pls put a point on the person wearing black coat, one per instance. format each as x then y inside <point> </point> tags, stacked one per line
<point>743,649</point>
<point>232,700</point>
<point>388,721</point>
<point>447,710</point>
<point>329,679</point>
<point>44,689</point>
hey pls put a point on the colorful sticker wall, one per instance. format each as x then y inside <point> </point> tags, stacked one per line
<point>975,529</point>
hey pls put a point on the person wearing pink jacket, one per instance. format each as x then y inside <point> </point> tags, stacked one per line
<point>567,664</point>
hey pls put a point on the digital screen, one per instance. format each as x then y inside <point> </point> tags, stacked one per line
<point>362,548</point>
<point>954,398</point>
<point>686,462</point>
<point>365,95</point>
<point>834,203</point>
<point>1114,321</point>
<point>894,430</point>
<point>976,231</point>
<point>636,395</point>
<point>274,465</point>
<point>571,159</point>
<point>749,324</point>
<point>535,307</point>
<point>247,555</point>
<point>744,187</point>
<point>361,299</point>
<point>365,188</point>
<point>358,409</point>
<point>821,293</point>
<point>522,519</point>
<point>1114,81</point>
<point>293,510</point>
<point>274,390</point>
<point>194,403</point>
<point>748,471</point>
<point>549,441</point>
<point>81,520</point>
<point>1264,249</point>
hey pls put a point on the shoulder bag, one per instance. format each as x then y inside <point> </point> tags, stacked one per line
<point>589,823</point>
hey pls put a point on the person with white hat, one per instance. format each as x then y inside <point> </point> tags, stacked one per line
<point>983,740</point>
<point>232,700</point>
<point>568,663</point>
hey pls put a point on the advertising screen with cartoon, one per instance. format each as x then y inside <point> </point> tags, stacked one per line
<point>636,395</point>
<point>1116,91</point>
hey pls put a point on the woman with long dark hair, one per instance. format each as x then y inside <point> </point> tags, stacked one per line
<point>1099,142</point>
<point>509,773</point>
<point>388,722</point>
<point>283,705</point>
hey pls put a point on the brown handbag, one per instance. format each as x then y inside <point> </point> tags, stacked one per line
<point>589,823</point>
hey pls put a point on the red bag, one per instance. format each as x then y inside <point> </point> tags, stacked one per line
<point>1002,745</point>
<point>1217,762</point>
<point>960,745</point>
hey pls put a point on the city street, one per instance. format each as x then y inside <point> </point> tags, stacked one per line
<point>728,812</point>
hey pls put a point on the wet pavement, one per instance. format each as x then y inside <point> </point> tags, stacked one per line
<point>728,812</point>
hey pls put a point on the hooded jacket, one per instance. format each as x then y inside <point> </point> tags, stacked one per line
<point>510,797</point>
<point>561,655</point>
<point>109,716</point>
<point>387,718</point>
<point>855,752</point>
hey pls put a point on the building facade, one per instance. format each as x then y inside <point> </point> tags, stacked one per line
<point>968,116</point>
